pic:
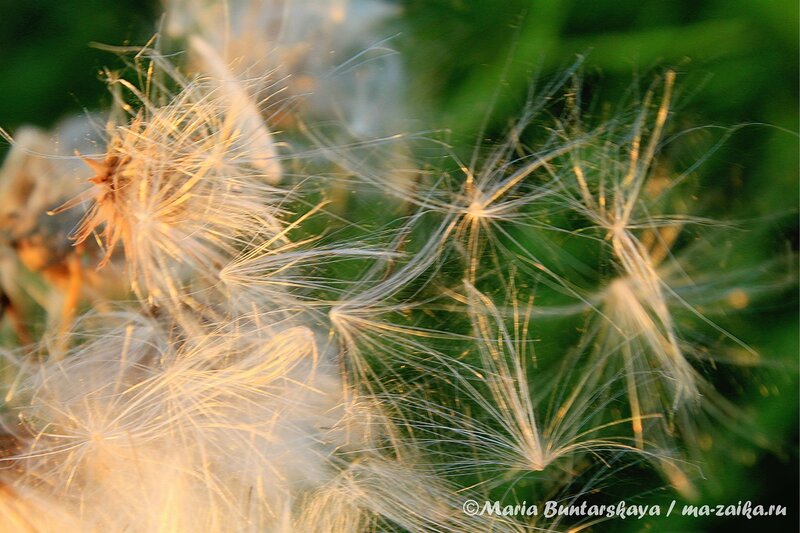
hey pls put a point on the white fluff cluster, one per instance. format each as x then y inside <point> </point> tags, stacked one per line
<point>331,56</point>
<point>307,335</point>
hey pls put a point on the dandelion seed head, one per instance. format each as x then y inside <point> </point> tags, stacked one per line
<point>177,188</point>
<point>290,362</point>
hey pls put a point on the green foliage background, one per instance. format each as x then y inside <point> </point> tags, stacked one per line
<point>737,62</point>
